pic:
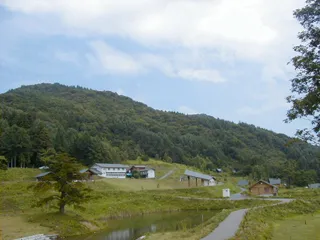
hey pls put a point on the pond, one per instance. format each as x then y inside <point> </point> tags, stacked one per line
<point>135,227</point>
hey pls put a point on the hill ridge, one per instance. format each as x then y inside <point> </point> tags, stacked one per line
<point>103,126</point>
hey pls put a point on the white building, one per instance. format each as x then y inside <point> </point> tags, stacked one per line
<point>145,172</point>
<point>151,173</point>
<point>110,170</point>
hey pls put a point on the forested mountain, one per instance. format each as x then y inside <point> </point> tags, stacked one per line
<point>101,126</point>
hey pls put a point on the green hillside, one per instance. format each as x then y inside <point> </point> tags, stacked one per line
<point>101,126</point>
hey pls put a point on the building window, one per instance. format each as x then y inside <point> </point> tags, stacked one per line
<point>266,190</point>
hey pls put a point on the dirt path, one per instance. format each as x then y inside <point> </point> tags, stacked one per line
<point>167,174</point>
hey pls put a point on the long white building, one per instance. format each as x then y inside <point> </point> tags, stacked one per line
<point>110,170</point>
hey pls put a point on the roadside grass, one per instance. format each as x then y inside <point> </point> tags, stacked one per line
<point>299,227</point>
<point>197,232</point>
<point>258,224</point>
<point>201,192</point>
<point>19,174</point>
<point>299,193</point>
<point>136,184</point>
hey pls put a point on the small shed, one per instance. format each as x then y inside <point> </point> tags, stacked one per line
<point>151,172</point>
<point>263,188</point>
<point>226,192</point>
<point>206,180</point>
<point>314,185</point>
<point>243,183</point>
<point>275,181</point>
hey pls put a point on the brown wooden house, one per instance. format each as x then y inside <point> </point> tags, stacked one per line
<point>263,188</point>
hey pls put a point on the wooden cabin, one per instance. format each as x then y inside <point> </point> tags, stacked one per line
<point>263,188</point>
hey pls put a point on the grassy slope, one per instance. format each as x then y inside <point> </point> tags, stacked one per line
<point>19,174</point>
<point>110,198</point>
<point>299,227</point>
<point>261,224</point>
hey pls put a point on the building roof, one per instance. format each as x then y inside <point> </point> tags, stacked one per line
<point>262,181</point>
<point>274,181</point>
<point>243,182</point>
<point>42,174</point>
<point>44,167</point>
<point>198,175</point>
<point>95,171</point>
<point>314,185</point>
<point>110,165</point>
<point>83,170</point>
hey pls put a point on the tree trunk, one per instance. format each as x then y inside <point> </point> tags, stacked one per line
<point>15,161</point>
<point>11,164</point>
<point>62,203</point>
<point>61,209</point>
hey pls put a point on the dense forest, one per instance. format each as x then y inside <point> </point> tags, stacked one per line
<point>101,126</point>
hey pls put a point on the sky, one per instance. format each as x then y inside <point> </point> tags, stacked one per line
<point>225,58</point>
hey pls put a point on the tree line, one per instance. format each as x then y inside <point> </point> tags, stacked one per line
<point>100,126</point>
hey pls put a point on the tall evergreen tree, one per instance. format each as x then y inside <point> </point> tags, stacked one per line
<point>66,180</point>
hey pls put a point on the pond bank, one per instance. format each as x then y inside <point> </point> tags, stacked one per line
<point>134,227</point>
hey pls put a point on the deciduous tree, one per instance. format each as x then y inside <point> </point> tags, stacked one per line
<point>305,98</point>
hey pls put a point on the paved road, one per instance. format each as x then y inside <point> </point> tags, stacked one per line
<point>228,227</point>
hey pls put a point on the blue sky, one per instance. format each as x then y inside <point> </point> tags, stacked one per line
<point>224,58</point>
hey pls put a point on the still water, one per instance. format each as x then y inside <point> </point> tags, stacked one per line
<point>135,227</point>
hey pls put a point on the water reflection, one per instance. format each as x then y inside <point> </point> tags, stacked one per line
<point>132,228</point>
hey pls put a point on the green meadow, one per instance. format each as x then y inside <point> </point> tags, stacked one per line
<point>110,198</point>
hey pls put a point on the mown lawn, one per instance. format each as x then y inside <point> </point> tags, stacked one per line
<point>297,228</point>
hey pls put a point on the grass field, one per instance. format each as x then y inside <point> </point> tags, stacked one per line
<point>111,198</point>
<point>259,224</point>
<point>19,174</point>
<point>297,228</point>
<point>300,193</point>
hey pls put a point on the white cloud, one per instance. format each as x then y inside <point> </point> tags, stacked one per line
<point>248,28</point>
<point>70,57</point>
<point>110,60</point>
<point>206,75</point>
<point>187,110</point>
<point>114,61</point>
